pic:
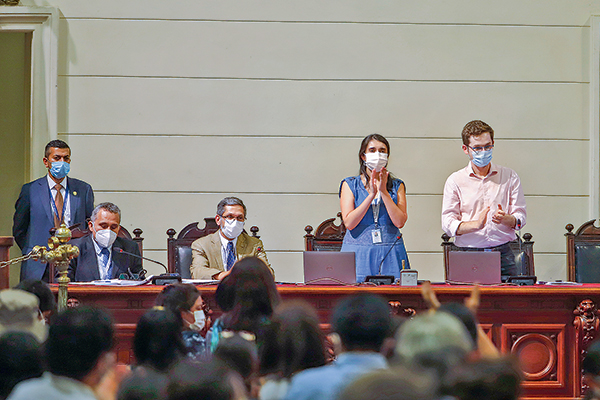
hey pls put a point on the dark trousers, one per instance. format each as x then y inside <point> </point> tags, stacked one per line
<point>507,258</point>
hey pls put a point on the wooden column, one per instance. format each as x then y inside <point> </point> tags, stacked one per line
<point>6,243</point>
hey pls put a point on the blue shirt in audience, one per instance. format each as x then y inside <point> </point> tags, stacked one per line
<point>325,383</point>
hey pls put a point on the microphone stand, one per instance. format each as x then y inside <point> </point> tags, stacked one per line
<point>384,279</point>
<point>162,279</point>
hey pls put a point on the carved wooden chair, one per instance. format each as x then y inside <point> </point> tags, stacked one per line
<point>583,253</point>
<point>179,250</point>
<point>327,237</point>
<point>523,253</point>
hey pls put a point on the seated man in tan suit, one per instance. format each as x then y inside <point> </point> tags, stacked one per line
<point>214,255</point>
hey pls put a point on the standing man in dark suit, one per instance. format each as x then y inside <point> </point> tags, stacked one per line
<point>99,252</point>
<point>46,203</point>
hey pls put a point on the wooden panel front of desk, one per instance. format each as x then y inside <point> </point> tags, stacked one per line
<point>536,324</point>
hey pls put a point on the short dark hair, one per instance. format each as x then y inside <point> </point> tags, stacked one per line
<point>230,201</point>
<point>178,297</point>
<point>206,381</point>
<point>239,355</point>
<point>591,362</point>
<point>157,342</point>
<point>144,384</point>
<point>58,144</point>
<point>41,290</point>
<point>475,128</point>
<point>362,321</point>
<point>295,340</point>
<point>107,206</point>
<point>77,339</point>
<point>20,359</point>
<point>493,379</point>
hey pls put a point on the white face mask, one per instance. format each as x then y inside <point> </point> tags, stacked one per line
<point>199,321</point>
<point>105,238</point>
<point>232,228</point>
<point>376,161</point>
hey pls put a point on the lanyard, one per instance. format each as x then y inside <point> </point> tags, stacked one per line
<point>376,204</point>
<point>53,202</point>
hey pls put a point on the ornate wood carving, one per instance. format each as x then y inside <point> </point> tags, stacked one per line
<point>586,233</point>
<point>328,235</point>
<point>586,324</point>
<point>397,310</point>
<point>540,349</point>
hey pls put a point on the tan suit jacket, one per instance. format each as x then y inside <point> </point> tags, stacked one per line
<point>207,260</point>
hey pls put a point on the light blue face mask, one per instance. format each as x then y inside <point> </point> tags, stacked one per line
<point>60,169</point>
<point>482,158</point>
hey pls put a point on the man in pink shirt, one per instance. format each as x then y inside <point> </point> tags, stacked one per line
<point>483,203</point>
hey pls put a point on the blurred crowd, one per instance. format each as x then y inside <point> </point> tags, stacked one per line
<point>258,348</point>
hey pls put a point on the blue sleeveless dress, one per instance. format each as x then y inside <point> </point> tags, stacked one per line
<point>360,239</point>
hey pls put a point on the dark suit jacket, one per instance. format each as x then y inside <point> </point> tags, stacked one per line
<point>85,267</point>
<point>33,217</point>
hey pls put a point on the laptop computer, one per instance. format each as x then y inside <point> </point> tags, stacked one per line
<point>329,268</point>
<point>474,267</point>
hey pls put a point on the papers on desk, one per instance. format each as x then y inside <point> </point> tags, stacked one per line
<point>562,283</point>
<point>115,282</point>
<point>200,281</point>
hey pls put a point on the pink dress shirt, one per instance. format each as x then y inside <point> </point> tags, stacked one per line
<point>467,194</point>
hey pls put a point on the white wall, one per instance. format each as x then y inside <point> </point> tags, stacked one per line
<point>171,105</point>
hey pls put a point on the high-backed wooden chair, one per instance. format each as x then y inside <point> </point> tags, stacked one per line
<point>523,253</point>
<point>583,253</point>
<point>327,237</point>
<point>179,250</point>
<point>80,230</point>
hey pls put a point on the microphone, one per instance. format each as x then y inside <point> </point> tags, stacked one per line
<point>384,279</point>
<point>162,279</point>
<point>120,250</point>
<point>386,254</point>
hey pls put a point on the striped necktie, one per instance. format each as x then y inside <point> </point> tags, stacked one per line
<point>230,256</point>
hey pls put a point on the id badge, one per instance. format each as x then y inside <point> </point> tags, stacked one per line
<point>376,233</point>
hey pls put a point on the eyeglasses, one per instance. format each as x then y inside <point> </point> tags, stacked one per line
<point>239,218</point>
<point>478,149</point>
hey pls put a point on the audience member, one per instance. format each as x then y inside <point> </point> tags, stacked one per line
<point>431,333</point>
<point>195,317</point>
<point>237,351</point>
<point>247,297</point>
<point>398,383</point>
<point>486,379</point>
<point>213,255</point>
<point>591,371</point>
<point>293,343</point>
<point>206,381</point>
<point>99,257</point>
<point>46,202</point>
<point>20,359</point>
<point>19,312</point>
<point>43,293</point>
<point>144,384</point>
<point>157,342</point>
<point>362,323</point>
<point>78,354</point>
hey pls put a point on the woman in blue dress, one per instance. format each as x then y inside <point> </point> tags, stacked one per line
<point>373,208</point>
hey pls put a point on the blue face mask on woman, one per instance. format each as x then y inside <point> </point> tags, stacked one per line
<point>60,169</point>
<point>482,158</point>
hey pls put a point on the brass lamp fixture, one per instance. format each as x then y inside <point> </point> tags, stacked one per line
<point>59,253</point>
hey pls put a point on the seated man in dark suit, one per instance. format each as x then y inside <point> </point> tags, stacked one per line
<point>213,256</point>
<point>99,252</point>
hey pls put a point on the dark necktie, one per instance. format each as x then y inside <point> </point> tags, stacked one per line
<point>104,255</point>
<point>230,256</point>
<point>58,201</point>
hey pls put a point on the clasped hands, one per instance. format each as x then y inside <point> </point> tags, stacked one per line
<point>499,217</point>
<point>378,182</point>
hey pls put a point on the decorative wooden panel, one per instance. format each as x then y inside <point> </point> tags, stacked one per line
<point>540,349</point>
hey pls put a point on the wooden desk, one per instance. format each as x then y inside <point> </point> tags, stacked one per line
<point>539,325</point>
